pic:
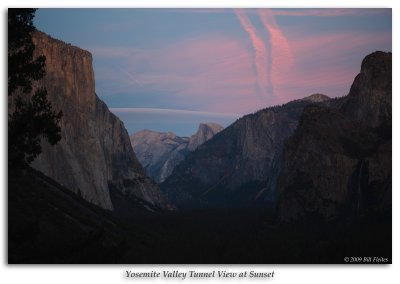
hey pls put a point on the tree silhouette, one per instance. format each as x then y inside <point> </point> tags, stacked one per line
<point>31,117</point>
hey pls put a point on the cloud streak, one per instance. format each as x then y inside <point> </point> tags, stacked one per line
<point>273,60</point>
<point>260,57</point>
<point>281,56</point>
<point>258,65</point>
<point>203,72</point>
<point>182,112</point>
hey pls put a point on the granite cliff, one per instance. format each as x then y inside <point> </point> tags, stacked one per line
<point>205,132</point>
<point>238,167</point>
<point>160,152</point>
<point>94,154</point>
<point>338,161</point>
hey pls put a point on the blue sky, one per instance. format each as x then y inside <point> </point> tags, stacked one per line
<point>175,68</point>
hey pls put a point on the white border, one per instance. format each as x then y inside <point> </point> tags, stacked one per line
<point>284,273</point>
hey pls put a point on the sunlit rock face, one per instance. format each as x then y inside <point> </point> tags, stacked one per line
<point>94,153</point>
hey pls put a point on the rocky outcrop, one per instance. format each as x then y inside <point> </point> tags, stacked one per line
<point>369,101</point>
<point>94,153</point>
<point>160,152</point>
<point>205,132</point>
<point>239,166</point>
<point>338,162</point>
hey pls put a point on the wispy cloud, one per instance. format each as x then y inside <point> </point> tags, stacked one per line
<point>260,56</point>
<point>272,58</point>
<point>328,63</point>
<point>280,51</point>
<point>182,112</point>
<point>206,72</point>
<point>331,45</point>
<point>239,72</point>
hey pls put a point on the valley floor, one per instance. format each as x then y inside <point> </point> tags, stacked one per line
<point>48,224</point>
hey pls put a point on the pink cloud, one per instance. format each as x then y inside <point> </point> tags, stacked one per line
<point>329,44</point>
<point>328,63</point>
<point>260,58</point>
<point>215,72</point>
<point>281,53</point>
<point>208,71</point>
<point>272,63</point>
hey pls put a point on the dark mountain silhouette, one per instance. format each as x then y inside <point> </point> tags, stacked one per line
<point>338,162</point>
<point>239,166</point>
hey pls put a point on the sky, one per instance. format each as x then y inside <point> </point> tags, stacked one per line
<point>170,69</point>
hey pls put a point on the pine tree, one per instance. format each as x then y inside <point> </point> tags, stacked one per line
<point>32,117</point>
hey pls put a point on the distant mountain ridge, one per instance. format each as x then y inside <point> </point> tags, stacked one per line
<point>239,167</point>
<point>160,152</point>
